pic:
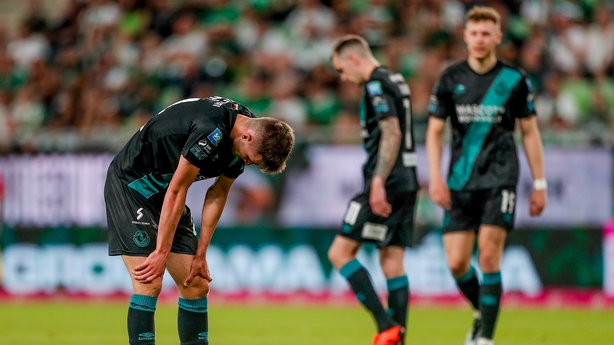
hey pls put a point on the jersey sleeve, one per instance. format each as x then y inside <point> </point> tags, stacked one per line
<point>525,105</point>
<point>382,101</point>
<point>235,168</point>
<point>439,105</point>
<point>203,140</point>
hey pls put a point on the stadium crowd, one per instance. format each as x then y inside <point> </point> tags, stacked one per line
<point>87,79</point>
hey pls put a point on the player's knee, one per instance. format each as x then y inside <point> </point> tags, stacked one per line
<point>392,268</point>
<point>489,261</point>
<point>459,267</point>
<point>339,257</point>
<point>151,289</point>
<point>199,288</point>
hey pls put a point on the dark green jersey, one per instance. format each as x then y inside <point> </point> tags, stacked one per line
<point>197,129</point>
<point>483,109</point>
<point>386,94</point>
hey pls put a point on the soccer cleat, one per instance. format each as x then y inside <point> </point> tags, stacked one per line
<point>391,336</point>
<point>484,341</point>
<point>474,332</point>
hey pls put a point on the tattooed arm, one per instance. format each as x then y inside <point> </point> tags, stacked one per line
<point>389,146</point>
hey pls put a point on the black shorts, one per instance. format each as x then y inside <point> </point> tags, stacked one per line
<point>470,209</point>
<point>133,222</point>
<point>360,224</point>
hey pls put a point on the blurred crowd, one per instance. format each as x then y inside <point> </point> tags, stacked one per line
<point>87,79</point>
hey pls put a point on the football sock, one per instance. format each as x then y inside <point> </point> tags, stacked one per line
<point>141,328</point>
<point>398,299</point>
<point>490,297</point>
<point>469,285</point>
<point>192,321</point>
<point>359,280</point>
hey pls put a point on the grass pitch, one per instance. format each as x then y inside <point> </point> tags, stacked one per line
<point>105,324</point>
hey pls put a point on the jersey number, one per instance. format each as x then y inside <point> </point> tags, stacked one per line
<point>508,198</point>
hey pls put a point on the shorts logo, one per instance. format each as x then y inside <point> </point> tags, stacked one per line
<point>215,137</point>
<point>373,231</point>
<point>141,238</point>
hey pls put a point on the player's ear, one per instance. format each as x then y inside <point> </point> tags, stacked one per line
<point>354,59</point>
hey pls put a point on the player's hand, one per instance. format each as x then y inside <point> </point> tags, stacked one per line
<point>440,194</point>
<point>199,269</point>
<point>377,199</point>
<point>152,268</point>
<point>537,202</point>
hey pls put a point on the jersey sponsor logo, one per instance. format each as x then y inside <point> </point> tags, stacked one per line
<point>198,153</point>
<point>468,113</point>
<point>215,137</point>
<point>374,88</point>
<point>205,146</point>
<point>433,102</point>
<point>459,89</point>
<point>373,231</point>
<point>141,238</point>
<point>380,104</point>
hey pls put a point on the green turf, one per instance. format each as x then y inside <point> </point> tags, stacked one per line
<point>93,324</point>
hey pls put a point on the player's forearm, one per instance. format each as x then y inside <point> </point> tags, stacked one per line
<point>389,146</point>
<point>172,208</point>
<point>531,141</point>
<point>213,207</point>
<point>434,146</point>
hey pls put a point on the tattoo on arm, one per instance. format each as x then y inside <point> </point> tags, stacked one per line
<point>389,146</point>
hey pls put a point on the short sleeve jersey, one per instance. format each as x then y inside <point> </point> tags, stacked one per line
<point>197,129</point>
<point>386,94</point>
<point>483,109</point>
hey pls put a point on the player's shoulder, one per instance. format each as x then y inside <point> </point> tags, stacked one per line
<point>383,80</point>
<point>516,69</point>
<point>454,68</point>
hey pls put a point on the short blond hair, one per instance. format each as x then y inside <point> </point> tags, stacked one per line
<point>480,13</point>
<point>355,43</point>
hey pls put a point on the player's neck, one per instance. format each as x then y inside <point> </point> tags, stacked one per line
<point>239,126</point>
<point>369,70</point>
<point>481,66</point>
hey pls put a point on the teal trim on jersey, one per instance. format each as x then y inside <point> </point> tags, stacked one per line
<point>397,283</point>
<point>148,185</point>
<point>497,95</point>
<point>350,268</point>
<point>363,110</point>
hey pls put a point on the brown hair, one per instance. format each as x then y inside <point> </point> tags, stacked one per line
<point>276,142</point>
<point>355,42</point>
<point>479,13</point>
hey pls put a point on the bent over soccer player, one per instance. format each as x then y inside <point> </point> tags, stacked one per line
<point>383,213</point>
<point>149,224</point>
<point>483,97</point>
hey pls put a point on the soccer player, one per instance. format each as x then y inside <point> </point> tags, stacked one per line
<point>483,97</point>
<point>383,213</point>
<point>149,224</point>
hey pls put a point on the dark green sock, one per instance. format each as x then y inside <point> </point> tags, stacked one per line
<point>398,299</point>
<point>141,328</point>
<point>192,321</point>
<point>359,280</point>
<point>490,297</point>
<point>469,285</point>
